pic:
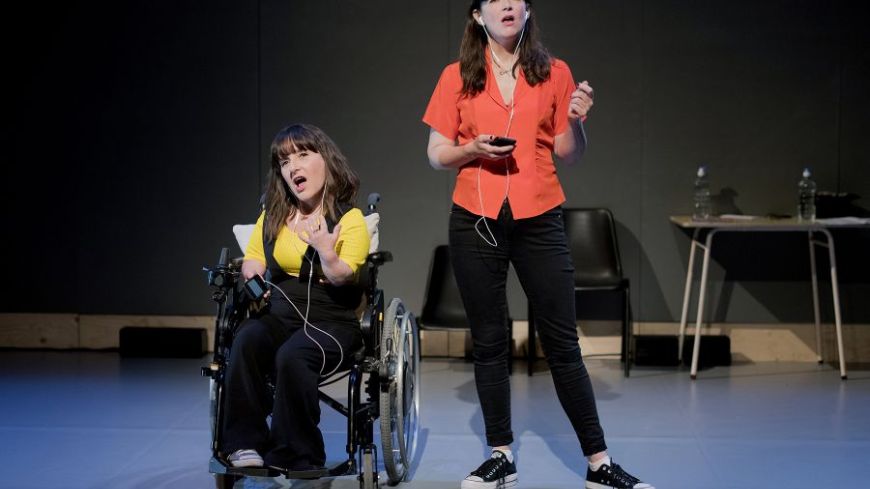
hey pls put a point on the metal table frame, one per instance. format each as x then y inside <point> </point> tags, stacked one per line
<point>713,226</point>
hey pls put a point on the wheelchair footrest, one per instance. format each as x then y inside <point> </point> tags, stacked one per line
<point>348,467</point>
<point>306,474</point>
<point>217,466</point>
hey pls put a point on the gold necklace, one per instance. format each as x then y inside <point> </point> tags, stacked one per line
<point>501,71</point>
<point>497,62</point>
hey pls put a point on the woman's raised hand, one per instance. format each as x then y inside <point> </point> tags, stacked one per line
<point>317,235</point>
<point>581,101</point>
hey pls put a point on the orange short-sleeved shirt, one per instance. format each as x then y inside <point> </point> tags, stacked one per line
<point>540,113</point>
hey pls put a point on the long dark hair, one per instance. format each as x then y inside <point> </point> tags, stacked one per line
<point>533,56</point>
<point>341,186</point>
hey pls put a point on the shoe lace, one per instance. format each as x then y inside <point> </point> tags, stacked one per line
<point>622,476</point>
<point>490,467</point>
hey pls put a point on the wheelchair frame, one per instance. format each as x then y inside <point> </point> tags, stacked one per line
<point>390,358</point>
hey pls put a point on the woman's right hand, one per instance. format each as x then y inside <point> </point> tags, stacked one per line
<point>250,268</point>
<point>448,154</point>
<point>479,147</point>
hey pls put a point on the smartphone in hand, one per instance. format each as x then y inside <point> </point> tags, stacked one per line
<point>502,141</point>
<point>256,288</point>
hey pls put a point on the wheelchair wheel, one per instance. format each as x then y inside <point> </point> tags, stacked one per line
<point>400,393</point>
<point>369,476</point>
<point>212,407</point>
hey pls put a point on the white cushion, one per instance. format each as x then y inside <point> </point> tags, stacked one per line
<point>243,235</point>
<point>372,221</point>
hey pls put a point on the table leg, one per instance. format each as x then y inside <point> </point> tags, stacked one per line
<point>835,290</point>
<point>702,295</point>
<point>687,294</point>
<point>815,281</point>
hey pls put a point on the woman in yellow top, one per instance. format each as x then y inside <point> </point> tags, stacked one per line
<point>309,327</point>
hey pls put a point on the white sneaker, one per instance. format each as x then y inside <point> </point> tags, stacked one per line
<point>245,458</point>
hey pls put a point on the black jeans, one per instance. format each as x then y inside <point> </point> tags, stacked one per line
<point>270,348</point>
<point>537,248</point>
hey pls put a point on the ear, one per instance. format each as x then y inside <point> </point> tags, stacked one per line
<point>477,17</point>
<point>528,13</point>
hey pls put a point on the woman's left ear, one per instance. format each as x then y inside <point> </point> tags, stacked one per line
<point>478,18</point>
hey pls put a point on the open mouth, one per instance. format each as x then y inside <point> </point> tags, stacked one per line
<point>299,183</point>
<point>508,19</point>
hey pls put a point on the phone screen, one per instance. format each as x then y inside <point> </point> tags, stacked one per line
<point>255,287</point>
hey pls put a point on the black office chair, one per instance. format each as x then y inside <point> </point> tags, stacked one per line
<point>594,249</point>
<point>443,309</point>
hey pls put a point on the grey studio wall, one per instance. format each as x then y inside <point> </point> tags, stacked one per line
<point>137,134</point>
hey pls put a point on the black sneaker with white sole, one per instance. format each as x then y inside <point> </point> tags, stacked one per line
<point>612,476</point>
<point>497,472</point>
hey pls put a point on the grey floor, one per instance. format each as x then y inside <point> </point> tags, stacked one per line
<point>95,420</point>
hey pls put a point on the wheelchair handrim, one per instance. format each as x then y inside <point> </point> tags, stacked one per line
<point>408,426</point>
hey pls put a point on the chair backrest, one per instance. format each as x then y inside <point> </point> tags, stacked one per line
<point>443,307</point>
<point>243,234</point>
<point>594,250</point>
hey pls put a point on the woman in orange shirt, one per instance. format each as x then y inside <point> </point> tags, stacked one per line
<point>498,116</point>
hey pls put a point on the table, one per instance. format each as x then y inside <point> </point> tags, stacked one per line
<point>708,228</point>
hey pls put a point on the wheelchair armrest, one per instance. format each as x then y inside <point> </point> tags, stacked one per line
<point>368,277</point>
<point>378,258</point>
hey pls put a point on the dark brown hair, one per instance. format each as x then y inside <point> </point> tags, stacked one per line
<point>341,186</point>
<point>533,56</point>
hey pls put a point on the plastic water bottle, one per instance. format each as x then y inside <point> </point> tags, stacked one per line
<point>806,197</point>
<point>701,200</point>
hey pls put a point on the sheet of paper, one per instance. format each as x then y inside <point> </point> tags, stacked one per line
<point>844,220</point>
<point>738,217</point>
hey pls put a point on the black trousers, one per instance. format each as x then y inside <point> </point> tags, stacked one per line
<point>537,248</point>
<point>268,348</point>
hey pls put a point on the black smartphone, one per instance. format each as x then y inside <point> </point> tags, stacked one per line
<point>502,141</point>
<point>255,288</point>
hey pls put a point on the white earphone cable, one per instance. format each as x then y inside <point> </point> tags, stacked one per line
<point>305,322</point>
<point>491,240</point>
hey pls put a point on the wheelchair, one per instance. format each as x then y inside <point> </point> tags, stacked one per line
<point>382,387</point>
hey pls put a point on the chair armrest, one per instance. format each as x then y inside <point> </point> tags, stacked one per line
<point>378,258</point>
